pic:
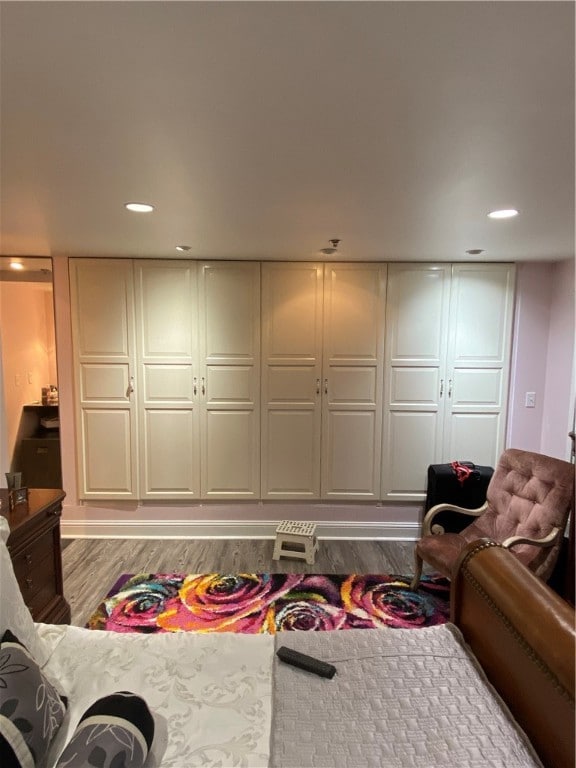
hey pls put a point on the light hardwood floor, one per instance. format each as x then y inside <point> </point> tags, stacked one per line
<point>91,566</point>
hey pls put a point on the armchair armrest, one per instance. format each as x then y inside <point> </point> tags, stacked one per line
<point>428,526</point>
<point>547,541</point>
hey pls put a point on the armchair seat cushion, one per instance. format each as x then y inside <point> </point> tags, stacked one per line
<point>441,552</point>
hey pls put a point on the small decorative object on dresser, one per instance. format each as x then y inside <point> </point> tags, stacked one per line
<point>34,546</point>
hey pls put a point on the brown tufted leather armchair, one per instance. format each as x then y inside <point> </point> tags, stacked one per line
<point>527,506</point>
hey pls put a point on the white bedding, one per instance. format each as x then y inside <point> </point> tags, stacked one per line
<point>212,693</point>
<point>404,698</point>
<point>400,698</point>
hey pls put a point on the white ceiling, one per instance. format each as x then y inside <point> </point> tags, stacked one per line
<point>263,129</point>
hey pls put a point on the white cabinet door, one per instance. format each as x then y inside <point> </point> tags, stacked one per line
<point>481,308</point>
<point>416,339</point>
<point>229,311</point>
<point>352,380</point>
<point>103,339</point>
<point>447,367</point>
<point>168,375</point>
<point>291,380</point>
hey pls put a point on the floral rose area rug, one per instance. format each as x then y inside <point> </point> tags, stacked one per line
<point>268,603</point>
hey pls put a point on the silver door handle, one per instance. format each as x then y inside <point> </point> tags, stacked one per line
<point>203,386</point>
<point>195,389</point>
<point>441,387</point>
<point>449,387</point>
<point>130,387</point>
<point>325,386</point>
<point>317,386</point>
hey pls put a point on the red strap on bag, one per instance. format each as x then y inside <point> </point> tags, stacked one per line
<point>462,471</point>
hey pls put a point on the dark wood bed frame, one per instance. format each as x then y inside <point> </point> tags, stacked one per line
<point>523,634</point>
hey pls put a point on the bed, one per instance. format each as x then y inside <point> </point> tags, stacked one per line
<point>494,687</point>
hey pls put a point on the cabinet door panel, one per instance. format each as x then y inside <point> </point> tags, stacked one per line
<point>349,440</point>
<point>226,385</point>
<point>353,311</point>
<point>170,449</point>
<point>414,388</point>
<point>473,437</point>
<point>166,326</point>
<point>292,457</point>
<point>417,313</point>
<point>229,468</point>
<point>418,302</point>
<point>168,383</point>
<point>354,296</point>
<point>229,392</point>
<point>102,311</point>
<point>353,385</point>
<point>414,437</point>
<point>292,295</point>
<point>102,299</point>
<point>478,363</point>
<point>230,300</point>
<point>480,314</point>
<point>291,373</point>
<point>104,382</point>
<point>168,370</point>
<point>107,469</point>
<point>480,389</point>
<point>296,384</point>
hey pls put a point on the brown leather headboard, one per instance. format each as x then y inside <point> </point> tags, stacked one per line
<point>523,635</point>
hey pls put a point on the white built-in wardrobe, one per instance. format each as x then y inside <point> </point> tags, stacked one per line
<point>241,380</point>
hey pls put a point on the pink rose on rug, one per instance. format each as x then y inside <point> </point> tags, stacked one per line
<point>225,603</point>
<point>137,604</point>
<point>390,603</point>
<point>304,616</point>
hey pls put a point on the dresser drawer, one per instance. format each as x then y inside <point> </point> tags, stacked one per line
<point>38,587</point>
<point>29,557</point>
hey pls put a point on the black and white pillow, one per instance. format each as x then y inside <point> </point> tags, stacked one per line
<point>115,732</point>
<point>31,709</point>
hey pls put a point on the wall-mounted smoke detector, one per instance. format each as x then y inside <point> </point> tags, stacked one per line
<point>332,249</point>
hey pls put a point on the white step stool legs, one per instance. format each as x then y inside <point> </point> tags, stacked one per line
<point>297,540</point>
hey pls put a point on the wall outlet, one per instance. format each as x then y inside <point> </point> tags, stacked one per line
<point>530,400</point>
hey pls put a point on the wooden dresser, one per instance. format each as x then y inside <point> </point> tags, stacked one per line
<point>34,546</point>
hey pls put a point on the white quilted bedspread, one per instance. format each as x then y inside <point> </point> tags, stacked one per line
<point>210,694</point>
<point>400,699</point>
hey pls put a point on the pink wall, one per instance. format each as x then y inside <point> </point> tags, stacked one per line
<point>529,353</point>
<point>542,358</point>
<point>558,402</point>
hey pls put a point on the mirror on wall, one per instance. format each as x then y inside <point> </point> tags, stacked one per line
<point>29,434</point>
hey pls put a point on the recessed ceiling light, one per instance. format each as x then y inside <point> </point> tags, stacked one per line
<point>475,251</point>
<point>16,265</point>
<point>182,247</point>
<point>505,213</point>
<point>139,207</point>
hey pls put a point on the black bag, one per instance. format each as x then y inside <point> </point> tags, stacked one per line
<point>445,487</point>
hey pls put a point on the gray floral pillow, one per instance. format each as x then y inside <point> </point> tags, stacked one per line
<point>31,709</point>
<point>115,732</point>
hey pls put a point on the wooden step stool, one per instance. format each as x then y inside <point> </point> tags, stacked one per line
<point>294,539</point>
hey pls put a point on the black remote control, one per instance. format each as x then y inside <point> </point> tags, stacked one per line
<point>309,663</point>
